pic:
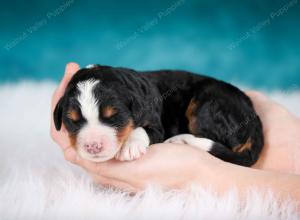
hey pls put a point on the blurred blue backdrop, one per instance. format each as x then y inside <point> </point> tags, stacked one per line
<point>254,42</point>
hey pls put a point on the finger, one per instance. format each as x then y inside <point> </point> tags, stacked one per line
<point>91,167</point>
<point>70,154</point>
<point>109,182</point>
<point>106,168</point>
<point>257,97</point>
<point>70,70</point>
<point>261,103</point>
<point>110,169</point>
<point>265,106</point>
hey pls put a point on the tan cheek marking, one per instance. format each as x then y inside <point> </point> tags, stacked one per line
<point>73,140</point>
<point>242,147</point>
<point>74,115</point>
<point>191,117</point>
<point>124,133</point>
<point>109,111</point>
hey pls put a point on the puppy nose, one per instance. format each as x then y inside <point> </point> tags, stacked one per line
<point>93,147</point>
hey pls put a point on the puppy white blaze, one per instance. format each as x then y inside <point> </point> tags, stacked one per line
<point>88,101</point>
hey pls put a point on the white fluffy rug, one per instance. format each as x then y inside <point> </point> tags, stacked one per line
<point>37,183</point>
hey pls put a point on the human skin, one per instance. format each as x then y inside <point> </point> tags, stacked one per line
<point>177,166</point>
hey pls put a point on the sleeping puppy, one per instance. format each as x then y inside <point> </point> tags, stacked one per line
<point>118,112</point>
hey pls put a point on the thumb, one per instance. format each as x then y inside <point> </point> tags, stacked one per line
<point>70,70</point>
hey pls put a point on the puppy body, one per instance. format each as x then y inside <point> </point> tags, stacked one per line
<point>126,110</point>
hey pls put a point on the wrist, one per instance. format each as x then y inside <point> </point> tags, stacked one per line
<point>214,173</point>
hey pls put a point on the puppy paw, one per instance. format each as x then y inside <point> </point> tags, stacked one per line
<point>131,150</point>
<point>180,139</point>
<point>189,139</point>
<point>135,146</point>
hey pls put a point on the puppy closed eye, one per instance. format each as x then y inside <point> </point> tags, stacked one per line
<point>108,112</point>
<point>73,115</point>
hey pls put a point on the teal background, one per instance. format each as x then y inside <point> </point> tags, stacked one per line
<point>195,35</point>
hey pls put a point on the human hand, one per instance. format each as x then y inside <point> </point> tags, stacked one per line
<point>166,165</point>
<point>61,137</point>
<point>281,133</point>
<point>174,165</point>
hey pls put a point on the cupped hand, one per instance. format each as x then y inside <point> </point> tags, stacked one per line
<point>281,129</point>
<point>173,165</point>
<point>166,165</point>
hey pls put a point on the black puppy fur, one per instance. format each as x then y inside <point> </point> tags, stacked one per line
<point>167,103</point>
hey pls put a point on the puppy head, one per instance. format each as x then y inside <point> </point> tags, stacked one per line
<point>97,120</point>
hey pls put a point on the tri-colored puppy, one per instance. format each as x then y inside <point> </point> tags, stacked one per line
<point>118,112</point>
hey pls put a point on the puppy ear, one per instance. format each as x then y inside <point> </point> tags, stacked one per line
<point>136,107</point>
<point>57,114</point>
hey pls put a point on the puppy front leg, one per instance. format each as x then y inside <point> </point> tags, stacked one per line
<point>135,146</point>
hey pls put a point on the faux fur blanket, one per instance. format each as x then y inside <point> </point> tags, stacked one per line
<point>37,183</point>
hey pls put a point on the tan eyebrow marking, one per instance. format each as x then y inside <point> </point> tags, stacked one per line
<point>73,140</point>
<point>108,111</point>
<point>74,115</point>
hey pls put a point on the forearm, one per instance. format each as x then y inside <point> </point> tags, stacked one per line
<point>284,186</point>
